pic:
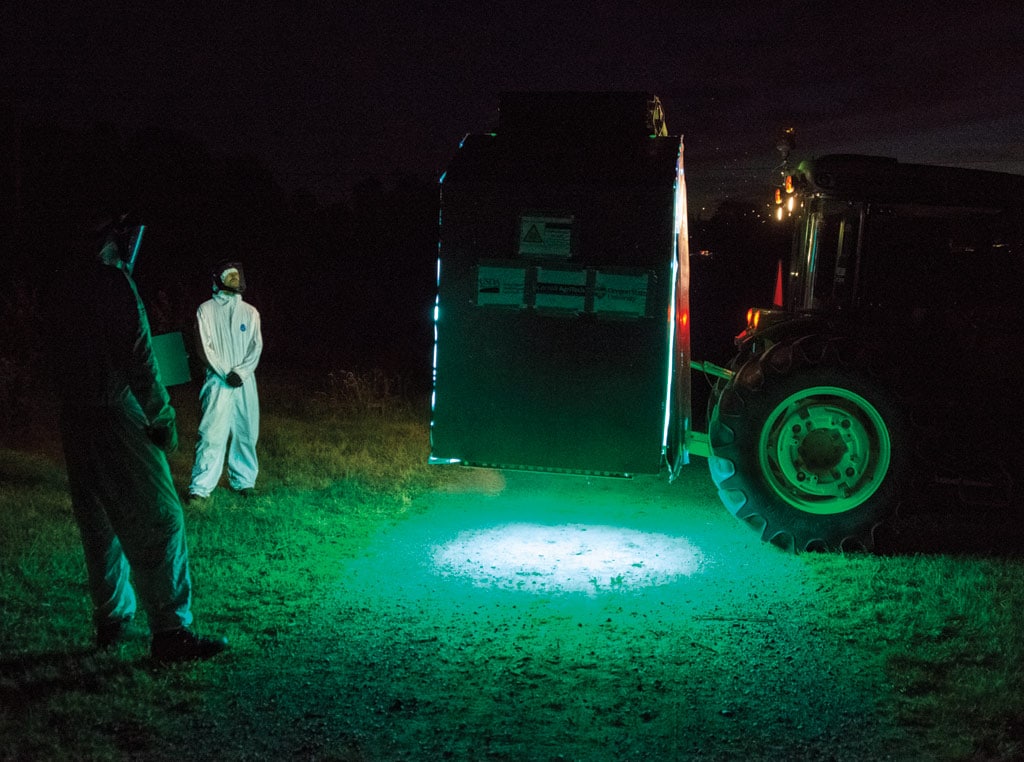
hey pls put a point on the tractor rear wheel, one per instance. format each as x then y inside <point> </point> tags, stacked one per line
<point>807,447</point>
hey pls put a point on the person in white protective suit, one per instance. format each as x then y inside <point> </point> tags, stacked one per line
<point>117,424</point>
<point>230,340</point>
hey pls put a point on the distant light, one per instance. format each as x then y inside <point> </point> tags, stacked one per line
<point>572,558</point>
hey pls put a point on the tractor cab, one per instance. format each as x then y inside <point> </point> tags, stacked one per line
<point>890,357</point>
<point>882,243</point>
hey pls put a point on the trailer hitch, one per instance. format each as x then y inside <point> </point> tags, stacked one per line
<point>711,369</point>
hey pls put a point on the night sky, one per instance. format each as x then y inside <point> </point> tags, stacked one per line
<point>328,95</point>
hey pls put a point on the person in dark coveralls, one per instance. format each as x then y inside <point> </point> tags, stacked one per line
<point>117,425</point>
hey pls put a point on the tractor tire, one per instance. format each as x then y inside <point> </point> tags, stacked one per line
<point>807,447</point>
<point>720,386</point>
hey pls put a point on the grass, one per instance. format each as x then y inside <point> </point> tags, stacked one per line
<point>944,629</point>
<point>952,639</point>
<point>357,467</point>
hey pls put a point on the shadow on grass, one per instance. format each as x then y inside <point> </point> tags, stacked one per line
<point>27,470</point>
<point>31,678</point>
<point>939,522</point>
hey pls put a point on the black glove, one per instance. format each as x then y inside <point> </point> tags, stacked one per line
<point>165,437</point>
<point>233,379</point>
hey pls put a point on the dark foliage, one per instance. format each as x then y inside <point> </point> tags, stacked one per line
<point>349,284</point>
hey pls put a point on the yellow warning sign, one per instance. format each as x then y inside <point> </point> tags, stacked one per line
<point>545,237</point>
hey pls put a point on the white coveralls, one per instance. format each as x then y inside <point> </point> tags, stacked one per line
<point>230,338</point>
<point>124,501</point>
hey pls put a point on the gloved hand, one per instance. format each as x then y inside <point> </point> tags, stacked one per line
<point>164,436</point>
<point>233,379</point>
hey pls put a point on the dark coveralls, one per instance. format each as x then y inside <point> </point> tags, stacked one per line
<point>114,407</point>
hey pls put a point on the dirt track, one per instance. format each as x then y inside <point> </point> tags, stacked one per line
<point>411,655</point>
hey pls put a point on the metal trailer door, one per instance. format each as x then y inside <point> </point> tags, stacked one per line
<point>559,294</point>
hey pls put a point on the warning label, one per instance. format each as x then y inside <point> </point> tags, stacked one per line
<point>545,237</point>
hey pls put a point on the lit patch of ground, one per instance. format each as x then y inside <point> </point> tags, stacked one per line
<point>566,558</point>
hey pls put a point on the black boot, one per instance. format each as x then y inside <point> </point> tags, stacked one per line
<point>185,645</point>
<point>111,632</point>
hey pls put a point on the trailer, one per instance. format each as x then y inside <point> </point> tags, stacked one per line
<point>561,321</point>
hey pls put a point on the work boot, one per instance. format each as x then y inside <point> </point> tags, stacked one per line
<point>185,645</point>
<point>111,632</point>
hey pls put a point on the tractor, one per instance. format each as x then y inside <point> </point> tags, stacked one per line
<point>562,323</point>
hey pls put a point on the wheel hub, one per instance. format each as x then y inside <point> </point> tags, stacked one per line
<point>820,450</point>
<point>825,450</point>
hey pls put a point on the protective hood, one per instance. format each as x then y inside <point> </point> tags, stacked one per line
<point>224,280</point>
